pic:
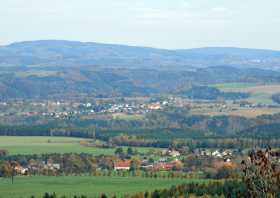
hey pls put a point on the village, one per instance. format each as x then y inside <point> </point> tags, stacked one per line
<point>167,160</point>
<point>70,109</point>
<point>116,107</point>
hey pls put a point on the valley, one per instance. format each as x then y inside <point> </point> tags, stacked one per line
<point>71,128</point>
<point>139,99</point>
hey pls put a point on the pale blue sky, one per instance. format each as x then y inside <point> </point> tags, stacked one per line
<point>156,23</point>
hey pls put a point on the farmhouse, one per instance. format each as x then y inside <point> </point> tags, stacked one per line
<point>217,154</point>
<point>154,106</point>
<point>21,170</point>
<point>146,164</point>
<point>52,166</point>
<point>171,152</point>
<point>122,165</point>
<point>166,166</point>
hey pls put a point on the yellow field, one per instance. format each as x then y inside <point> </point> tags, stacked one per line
<point>250,113</point>
<point>260,93</point>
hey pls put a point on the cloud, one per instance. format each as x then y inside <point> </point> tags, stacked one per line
<point>144,21</point>
<point>220,9</point>
<point>182,15</point>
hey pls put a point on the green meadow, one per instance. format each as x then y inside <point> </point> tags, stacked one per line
<point>41,145</point>
<point>24,187</point>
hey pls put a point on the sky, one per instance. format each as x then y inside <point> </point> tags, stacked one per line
<point>171,24</point>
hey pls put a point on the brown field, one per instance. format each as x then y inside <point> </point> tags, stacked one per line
<point>247,112</point>
<point>259,93</point>
<point>268,89</point>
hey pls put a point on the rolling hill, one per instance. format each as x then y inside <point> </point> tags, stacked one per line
<point>56,69</point>
<point>60,53</point>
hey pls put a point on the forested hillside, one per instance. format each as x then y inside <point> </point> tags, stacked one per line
<point>57,69</point>
<point>71,53</point>
<point>56,82</point>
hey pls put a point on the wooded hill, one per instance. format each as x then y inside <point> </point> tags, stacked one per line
<point>61,69</point>
<point>59,53</point>
<point>56,82</point>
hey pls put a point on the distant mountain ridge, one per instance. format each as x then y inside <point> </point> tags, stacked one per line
<point>60,53</point>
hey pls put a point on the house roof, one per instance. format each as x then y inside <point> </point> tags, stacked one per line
<point>122,163</point>
<point>168,165</point>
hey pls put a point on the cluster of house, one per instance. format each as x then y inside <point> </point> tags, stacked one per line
<point>135,108</point>
<point>145,164</point>
<point>170,152</point>
<point>221,154</point>
<point>154,106</point>
<point>161,164</point>
<point>66,109</point>
<point>166,166</point>
<point>21,170</point>
<point>246,104</point>
<point>124,108</point>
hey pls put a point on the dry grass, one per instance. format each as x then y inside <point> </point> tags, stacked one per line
<point>260,93</point>
<point>229,108</point>
<point>247,112</point>
<point>268,89</point>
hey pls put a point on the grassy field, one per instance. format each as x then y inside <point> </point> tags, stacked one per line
<point>40,145</point>
<point>260,93</point>
<point>122,116</point>
<point>249,113</point>
<point>234,85</point>
<point>82,185</point>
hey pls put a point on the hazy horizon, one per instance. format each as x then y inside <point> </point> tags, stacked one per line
<point>166,24</point>
<point>135,45</point>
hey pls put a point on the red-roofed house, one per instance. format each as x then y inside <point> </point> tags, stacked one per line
<point>122,165</point>
<point>168,165</point>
